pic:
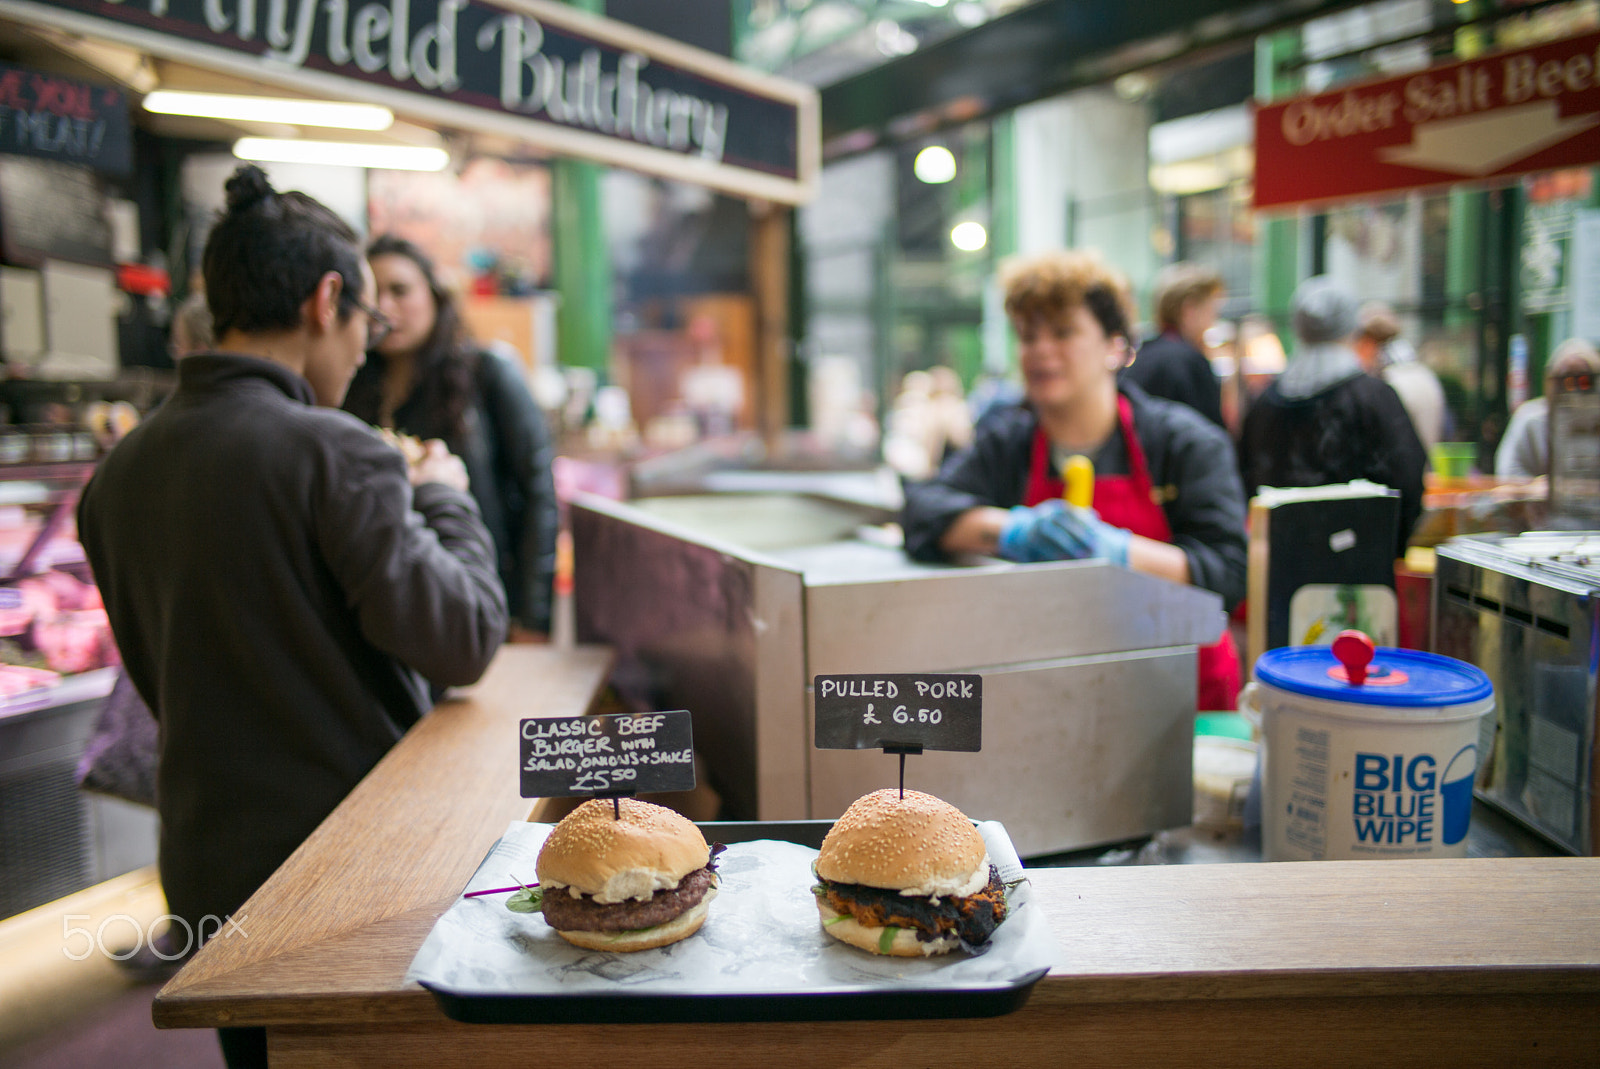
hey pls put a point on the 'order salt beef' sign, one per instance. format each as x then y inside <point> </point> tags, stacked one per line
<point>56,118</point>
<point>1480,119</point>
<point>897,712</point>
<point>608,754</point>
<point>545,74</point>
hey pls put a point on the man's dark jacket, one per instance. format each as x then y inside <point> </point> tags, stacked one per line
<point>1355,429</point>
<point>278,591</point>
<point>1191,468</point>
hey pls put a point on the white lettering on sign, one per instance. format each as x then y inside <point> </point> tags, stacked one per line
<point>859,688</point>
<point>952,688</point>
<point>603,753</point>
<point>1306,121</point>
<point>618,102</point>
<point>377,37</point>
<point>1470,89</point>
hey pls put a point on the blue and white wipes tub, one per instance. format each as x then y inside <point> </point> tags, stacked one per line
<point>1379,769</point>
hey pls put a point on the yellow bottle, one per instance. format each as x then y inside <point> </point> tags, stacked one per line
<point>1078,475</point>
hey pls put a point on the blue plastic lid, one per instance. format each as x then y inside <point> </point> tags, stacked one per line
<point>1399,678</point>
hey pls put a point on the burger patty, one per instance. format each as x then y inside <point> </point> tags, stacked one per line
<point>971,918</point>
<point>583,914</point>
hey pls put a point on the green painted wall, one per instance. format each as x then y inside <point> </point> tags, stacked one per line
<point>582,263</point>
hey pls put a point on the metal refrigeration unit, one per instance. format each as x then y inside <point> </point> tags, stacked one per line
<point>729,604</point>
<point>1523,608</point>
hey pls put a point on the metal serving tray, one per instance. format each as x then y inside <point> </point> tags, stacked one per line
<point>835,1002</point>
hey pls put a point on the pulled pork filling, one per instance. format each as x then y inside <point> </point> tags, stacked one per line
<point>583,914</point>
<point>971,918</point>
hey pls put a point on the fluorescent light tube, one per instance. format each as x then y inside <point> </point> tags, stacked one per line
<point>342,154</point>
<point>270,109</point>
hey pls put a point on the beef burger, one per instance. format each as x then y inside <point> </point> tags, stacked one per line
<point>631,883</point>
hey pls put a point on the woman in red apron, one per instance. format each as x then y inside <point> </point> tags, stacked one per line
<point>1167,499</point>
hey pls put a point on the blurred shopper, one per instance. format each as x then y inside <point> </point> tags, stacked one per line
<point>1324,420</point>
<point>279,582</point>
<point>928,423</point>
<point>1173,364</point>
<point>1166,499</point>
<point>1385,353</point>
<point>191,327</point>
<point>427,378</point>
<point>1524,450</point>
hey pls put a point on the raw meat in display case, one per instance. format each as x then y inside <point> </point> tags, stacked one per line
<point>52,621</point>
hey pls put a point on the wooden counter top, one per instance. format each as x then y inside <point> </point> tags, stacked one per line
<point>1469,962</point>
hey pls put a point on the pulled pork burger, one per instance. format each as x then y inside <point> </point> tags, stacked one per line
<point>908,877</point>
<point>633,883</point>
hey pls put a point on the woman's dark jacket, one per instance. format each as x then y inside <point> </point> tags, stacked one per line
<point>507,451</point>
<point>1192,470</point>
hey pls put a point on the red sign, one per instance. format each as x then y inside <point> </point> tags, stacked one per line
<point>1535,109</point>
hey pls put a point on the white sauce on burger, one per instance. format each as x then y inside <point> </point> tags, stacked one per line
<point>956,888</point>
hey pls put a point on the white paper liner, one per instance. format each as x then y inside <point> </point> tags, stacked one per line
<point>762,936</point>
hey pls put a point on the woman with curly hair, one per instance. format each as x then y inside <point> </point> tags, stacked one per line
<point>428,379</point>
<point>1167,499</point>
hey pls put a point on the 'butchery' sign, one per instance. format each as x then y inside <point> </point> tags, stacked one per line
<point>546,74</point>
<point>1480,119</point>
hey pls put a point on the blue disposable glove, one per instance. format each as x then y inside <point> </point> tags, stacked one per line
<point>1055,530</point>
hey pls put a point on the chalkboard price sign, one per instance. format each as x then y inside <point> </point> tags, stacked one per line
<point>607,755</point>
<point>899,712</point>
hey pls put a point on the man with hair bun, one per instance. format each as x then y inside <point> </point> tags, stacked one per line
<point>1173,364</point>
<point>282,586</point>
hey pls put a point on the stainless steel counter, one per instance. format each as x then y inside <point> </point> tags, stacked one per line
<point>730,605</point>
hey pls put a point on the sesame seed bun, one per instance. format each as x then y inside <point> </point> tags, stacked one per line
<point>650,848</point>
<point>919,843</point>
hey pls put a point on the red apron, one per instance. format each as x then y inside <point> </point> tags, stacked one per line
<point>1128,501</point>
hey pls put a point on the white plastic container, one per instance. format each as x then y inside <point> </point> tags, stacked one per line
<point>1379,769</point>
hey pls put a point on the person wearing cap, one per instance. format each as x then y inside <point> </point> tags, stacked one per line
<point>1173,364</point>
<point>1325,420</point>
<point>1385,353</point>
<point>1524,450</point>
<point>1165,497</point>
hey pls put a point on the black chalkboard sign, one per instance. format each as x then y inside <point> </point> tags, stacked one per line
<point>899,712</point>
<point>62,119</point>
<point>607,755</point>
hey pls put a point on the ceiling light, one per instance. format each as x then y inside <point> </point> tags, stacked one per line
<point>342,154</point>
<point>934,165</point>
<point>270,109</point>
<point>969,236</point>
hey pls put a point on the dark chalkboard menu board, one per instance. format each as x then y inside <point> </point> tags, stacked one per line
<point>52,211</point>
<point>899,712</point>
<point>607,755</point>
